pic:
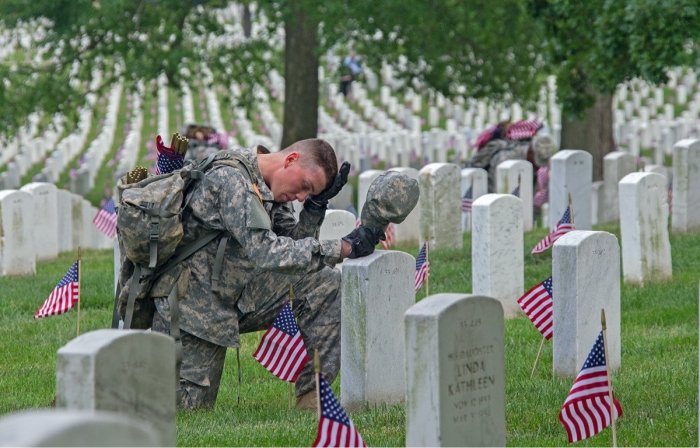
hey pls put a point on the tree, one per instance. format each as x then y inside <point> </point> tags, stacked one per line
<point>595,45</point>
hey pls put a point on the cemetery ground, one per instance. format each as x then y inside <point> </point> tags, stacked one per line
<point>657,384</point>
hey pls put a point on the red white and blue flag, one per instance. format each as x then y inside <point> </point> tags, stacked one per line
<point>282,350</point>
<point>537,304</point>
<point>168,159</point>
<point>422,267</point>
<point>106,219</point>
<point>334,426</point>
<point>64,296</point>
<point>563,226</point>
<point>523,129</point>
<point>467,200</point>
<point>586,410</point>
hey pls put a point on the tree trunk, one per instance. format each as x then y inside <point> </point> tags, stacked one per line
<point>300,79</point>
<point>247,21</point>
<point>593,132</point>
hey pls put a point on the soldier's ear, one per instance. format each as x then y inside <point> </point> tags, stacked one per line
<point>291,158</point>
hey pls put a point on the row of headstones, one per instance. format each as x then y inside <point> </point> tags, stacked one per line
<point>162,101</point>
<point>39,221</point>
<point>128,153</point>
<point>451,347</point>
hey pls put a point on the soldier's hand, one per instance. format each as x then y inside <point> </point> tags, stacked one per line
<point>363,239</point>
<point>319,202</point>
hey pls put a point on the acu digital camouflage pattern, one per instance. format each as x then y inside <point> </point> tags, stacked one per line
<point>495,152</point>
<point>390,198</point>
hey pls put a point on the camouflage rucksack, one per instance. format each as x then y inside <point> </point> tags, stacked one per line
<point>150,231</point>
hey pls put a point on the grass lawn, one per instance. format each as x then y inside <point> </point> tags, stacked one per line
<point>657,384</point>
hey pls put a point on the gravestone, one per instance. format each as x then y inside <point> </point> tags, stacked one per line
<point>616,165</point>
<point>81,234</point>
<point>17,253</point>
<point>475,179</point>
<point>597,202</point>
<point>455,372</point>
<point>45,231</point>
<point>646,250</point>
<point>497,250</point>
<point>515,176</point>
<point>364,181</point>
<point>336,225</point>
<point>61,427</point>
<point>586,279</point>
<point>571,173</point>
<point>125,371</point>
<point>377,291</point>
<point>343,200</point>
<point>440,205</point>
<point>408,231</point>
<point>685,213</point>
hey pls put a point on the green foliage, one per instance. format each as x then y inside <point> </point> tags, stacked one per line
<point>657,383</point>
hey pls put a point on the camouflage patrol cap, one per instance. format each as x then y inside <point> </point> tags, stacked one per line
<point>390,198</point>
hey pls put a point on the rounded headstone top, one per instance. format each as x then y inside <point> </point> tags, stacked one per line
<point>492,198</point>
<point>616,155</point>
<point>438,304</point>
<point>689,143</point>
<point>93,341</point>
<point>579,237</point>
<point>647,178</point>
<point>435,167</point>
<point>567,153</point>
<point>7,193</point>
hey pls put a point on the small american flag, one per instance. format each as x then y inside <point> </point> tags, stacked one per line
<point>64,296</point>
<point>282,350</point>
<point>106,219</point>
<point>523,129</point>
<point>422,267</point>
<point>563,226</point>
<point>168,160</point>
<point>586,410</point>
<point>537,305</point>
<point>334,426</point>
<point>467,200</point>
<point>390,237</point>
<point>516,191</point>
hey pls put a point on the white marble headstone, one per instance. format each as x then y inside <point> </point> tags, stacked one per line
<point>408,231</point>
<point>17,253</point>
<point>685,213</point>
<point>515,176</point>
<point>571,173</point>
<point>364,181</point>
<point>455,372</point>
<point>475,179</point>
<point>336,225</point>
<point>64,222</point>
<point>126,371</point>
<point>497,249</point>
<point>616,165</point>
<point>585,279</point>
<point>377,291</point>
<point>440,205</point>
<point>646,250</point>
<point>45,231</point>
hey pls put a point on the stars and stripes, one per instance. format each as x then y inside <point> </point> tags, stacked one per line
<point>467,200</point>
<point>334,426</point>
<point>537,305</point>
<point>422,267</point>
<point>168,160</point>
<point>282,350</point>
<point>64,296</point>
<point>523,129</point>
<point>586,410</point>
<point>106,218</point>
<point>563,226</point>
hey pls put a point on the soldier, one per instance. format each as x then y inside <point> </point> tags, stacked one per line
<point>238,283</point>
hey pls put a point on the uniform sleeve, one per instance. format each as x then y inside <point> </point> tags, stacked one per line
<point>242,214</point>
<point>285,224</point>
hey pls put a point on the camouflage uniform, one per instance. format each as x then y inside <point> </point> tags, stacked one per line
<point>495,152</point>
<point>266,251</point>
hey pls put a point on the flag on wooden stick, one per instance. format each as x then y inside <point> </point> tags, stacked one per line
<point>106,219</point>
<point>334,426</point>
<point>563,226</point>
<point>586,410</point>
<point>537,305</point>
<point>282,350</point>
<point>422,267</point>
<point>64,296</point>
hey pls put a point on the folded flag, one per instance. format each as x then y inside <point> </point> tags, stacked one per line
<point>334,426</point>
<point>106,218</point>
<point>64,296</point>
<point>282,350</point>
<point>586,410</point>
<point>537,305</point>
<point>422,267</point>
<point>168,159</point>
<point>563,226</point>
<point>467,200</point>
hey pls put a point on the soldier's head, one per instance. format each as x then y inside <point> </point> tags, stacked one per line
<point>302,169</point>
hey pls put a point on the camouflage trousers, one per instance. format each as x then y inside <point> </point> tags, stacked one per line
<point>316,307</point>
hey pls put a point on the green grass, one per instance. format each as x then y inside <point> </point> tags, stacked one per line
<point>657,383</point>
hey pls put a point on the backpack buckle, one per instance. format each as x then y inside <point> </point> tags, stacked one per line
<point>154,231</point>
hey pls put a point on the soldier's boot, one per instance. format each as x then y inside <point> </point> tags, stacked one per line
<point>307,402</point>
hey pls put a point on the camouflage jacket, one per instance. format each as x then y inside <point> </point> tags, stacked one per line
<point>263,235</point>
<point>495,152</point>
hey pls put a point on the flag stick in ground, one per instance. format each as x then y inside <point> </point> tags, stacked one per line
<point>610,389</point>
<point>317,374</point>
<point>290,390</point>
<point>427,260</point>
<point>537,358</point>
<point>77,329</point>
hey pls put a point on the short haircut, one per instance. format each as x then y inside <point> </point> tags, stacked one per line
<point>320,153</point>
